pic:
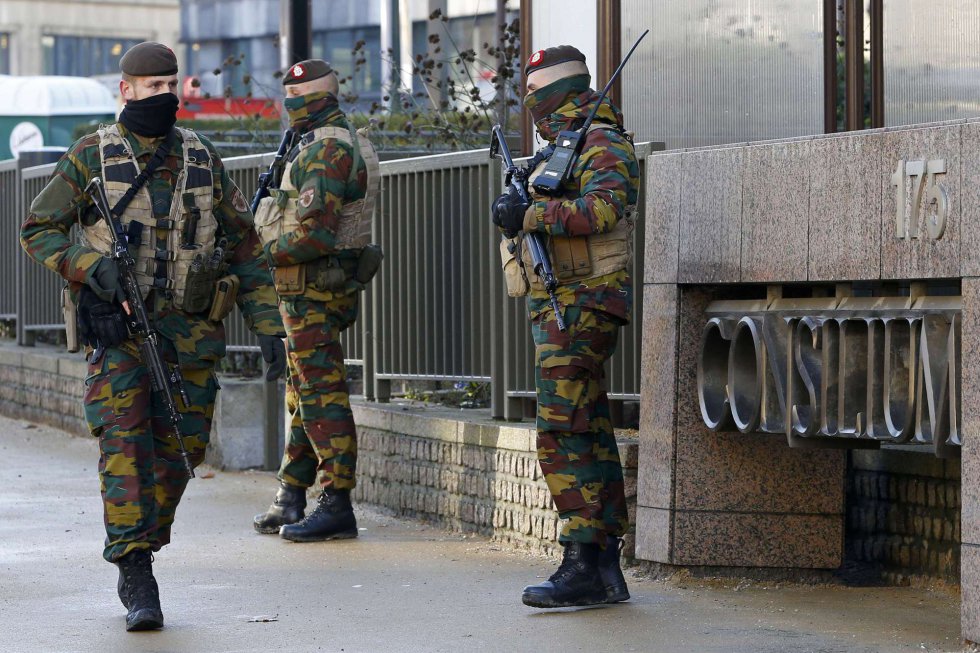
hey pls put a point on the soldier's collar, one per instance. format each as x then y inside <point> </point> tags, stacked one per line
<point>141,144</point>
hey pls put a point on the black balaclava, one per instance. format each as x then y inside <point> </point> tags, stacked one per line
<point>152,116</point>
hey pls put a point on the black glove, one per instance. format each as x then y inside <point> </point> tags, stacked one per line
<point>508,212</point>
<point>105,282</point>
<point>100,323</point>
<point>273,353</point>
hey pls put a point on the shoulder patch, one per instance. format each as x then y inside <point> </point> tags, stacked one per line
<point>305,198</point>
<point>238,201</point>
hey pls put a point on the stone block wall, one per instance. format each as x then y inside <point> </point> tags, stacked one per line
<point>903,515</point>
<point>44,385</point>
<point>471,476</point>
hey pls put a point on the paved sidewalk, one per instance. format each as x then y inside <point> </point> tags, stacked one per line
<point>399,587</point>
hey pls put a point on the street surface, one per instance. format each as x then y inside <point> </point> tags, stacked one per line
<point>400,586</point>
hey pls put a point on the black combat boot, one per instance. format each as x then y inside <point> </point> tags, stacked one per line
<point>138,591</point>
<point>577,581</point>
<point>332,519</point>
<point>287,508</point>
<point>611,572</point>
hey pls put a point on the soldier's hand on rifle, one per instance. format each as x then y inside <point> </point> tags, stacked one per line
<point>273,353</point>
<point>105,282</point>
<point>99,322</point>
<point>508,212</point>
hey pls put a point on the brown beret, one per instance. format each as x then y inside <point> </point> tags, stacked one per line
<point>553,57</point>
<point>306,71</point>
<point>149,59</point>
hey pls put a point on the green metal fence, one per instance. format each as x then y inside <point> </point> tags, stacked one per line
<point>438,309</point>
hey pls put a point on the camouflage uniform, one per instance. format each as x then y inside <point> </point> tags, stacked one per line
<point>576,446</point>
<point>322,437</point>
<point>141,472</point>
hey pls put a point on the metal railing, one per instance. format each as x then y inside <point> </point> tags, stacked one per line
<point>438,309</point>
<point>9,247</point>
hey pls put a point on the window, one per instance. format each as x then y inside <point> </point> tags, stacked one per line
<point>82,56</point>
<point>336,46</point>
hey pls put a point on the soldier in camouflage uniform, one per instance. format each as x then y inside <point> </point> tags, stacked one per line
<point>326,194</point>
<point>588,229</point>
<point>187,207</point>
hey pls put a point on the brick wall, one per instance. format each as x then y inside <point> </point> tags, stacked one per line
<point>903,515</point>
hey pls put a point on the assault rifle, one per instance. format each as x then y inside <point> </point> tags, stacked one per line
<point>268,177</point>
<point>516,178</point>
<point>163,379</point>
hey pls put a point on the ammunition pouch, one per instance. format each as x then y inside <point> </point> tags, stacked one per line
<point>199,289</point>
<point>70,311</point>
<point>579,258</point>
<point>270,214</point>
<point>368,263</point>
<point>225,294</point>
<point>326,274</point>
<point>514,275</point>
<point>570,257</point>
<point>290,279</point>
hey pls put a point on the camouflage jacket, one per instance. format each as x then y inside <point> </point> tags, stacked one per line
<point>320,174</point>
<point>606,180</point>
<point>45,236</point>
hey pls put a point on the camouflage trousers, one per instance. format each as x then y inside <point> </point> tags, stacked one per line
<point>576,445</point>
<point>321,435</point>
<point>141,471</point>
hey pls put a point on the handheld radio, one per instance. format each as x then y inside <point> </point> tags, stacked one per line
<point>569,144</point>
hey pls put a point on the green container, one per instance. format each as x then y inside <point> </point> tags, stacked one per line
<point>44,111</point>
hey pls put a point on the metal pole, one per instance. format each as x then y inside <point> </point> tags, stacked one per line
<point>500,18</point>
<point>390,48</point>
<point>527,126</point>
<point>608,46</point>
<point>854,58</point>
<point>877,64</point>
<point>830,66</point>
<point>24,337</point>
<point>405,45</point>
<point>271,419</point>
<point>295,32</point>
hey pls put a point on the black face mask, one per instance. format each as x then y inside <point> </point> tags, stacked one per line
<point>152,116</point>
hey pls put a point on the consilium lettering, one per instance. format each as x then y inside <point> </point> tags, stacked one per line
<point>843,374</point>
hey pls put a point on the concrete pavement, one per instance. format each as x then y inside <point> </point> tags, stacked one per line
<point>401,586</point>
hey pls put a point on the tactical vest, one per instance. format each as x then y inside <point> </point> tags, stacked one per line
<point>577,258</point>
<point>189,227</point>
<point>278,215</point>
<point>354,225</point>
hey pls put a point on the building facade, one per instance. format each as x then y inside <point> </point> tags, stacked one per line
<point>81,38</point>
<point>728,71</point>
<point>233,45</point>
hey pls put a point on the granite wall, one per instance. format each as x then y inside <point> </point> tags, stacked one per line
<point>819,210</point>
